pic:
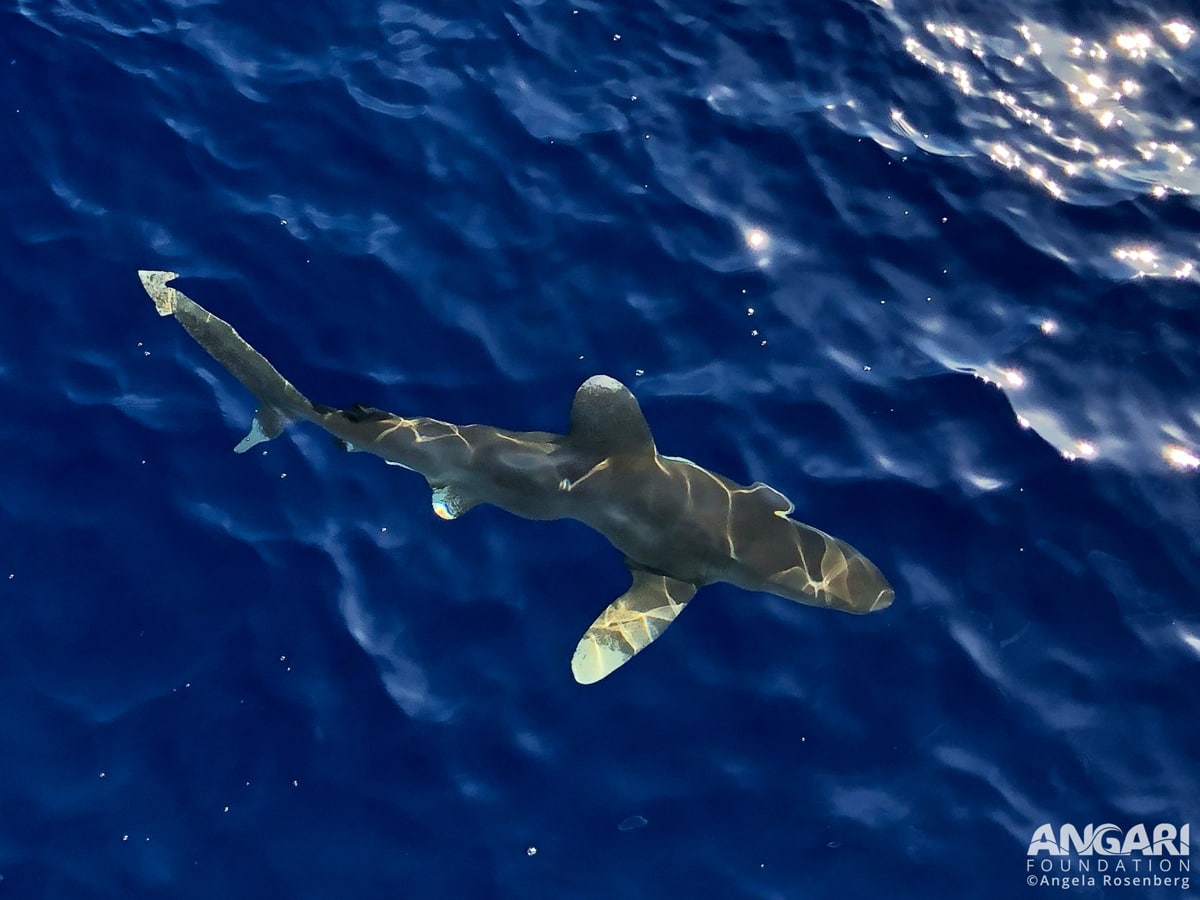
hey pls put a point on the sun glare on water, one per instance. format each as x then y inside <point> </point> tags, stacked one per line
<point>756,239</point>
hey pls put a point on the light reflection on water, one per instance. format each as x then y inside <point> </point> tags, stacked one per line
<point>1091,119</point>
<point>1076,106</point>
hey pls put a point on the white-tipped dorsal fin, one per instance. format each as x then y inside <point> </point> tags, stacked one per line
<point>606,419</point>
<point>629,624</point>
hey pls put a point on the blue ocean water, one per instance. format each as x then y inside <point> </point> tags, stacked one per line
<point>929,269</point>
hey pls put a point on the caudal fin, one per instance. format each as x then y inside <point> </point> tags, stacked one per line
<point>268,424</point>
<point>279,401</point>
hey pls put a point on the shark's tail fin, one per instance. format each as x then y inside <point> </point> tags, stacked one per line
<point>280,403</point>
<point>268,423</point>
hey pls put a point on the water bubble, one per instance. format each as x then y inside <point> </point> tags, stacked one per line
<point>633,823</point>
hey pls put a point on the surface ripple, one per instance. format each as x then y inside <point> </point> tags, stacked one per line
<point>928,270</point>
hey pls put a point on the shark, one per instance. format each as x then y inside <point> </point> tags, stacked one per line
<point>679,526</point>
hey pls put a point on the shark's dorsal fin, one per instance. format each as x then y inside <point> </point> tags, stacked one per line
<point>606,419</point>
<point>629,624</point>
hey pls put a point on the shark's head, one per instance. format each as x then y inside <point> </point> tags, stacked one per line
<point>833,574</point>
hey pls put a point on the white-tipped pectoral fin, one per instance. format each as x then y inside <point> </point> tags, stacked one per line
<point>629,625</point>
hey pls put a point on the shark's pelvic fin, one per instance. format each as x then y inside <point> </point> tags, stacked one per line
<point>606,419</point>
<point>629,624</point>
<point>449,502</point>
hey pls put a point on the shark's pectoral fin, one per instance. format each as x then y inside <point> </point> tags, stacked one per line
<point>629,624</point>
<point>449,502</point>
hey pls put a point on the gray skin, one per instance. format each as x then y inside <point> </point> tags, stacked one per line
<point>678,525</point>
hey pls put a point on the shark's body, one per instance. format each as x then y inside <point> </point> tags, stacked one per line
<point>679,526</point>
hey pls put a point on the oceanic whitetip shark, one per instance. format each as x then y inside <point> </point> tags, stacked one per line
<point>679,526</point>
